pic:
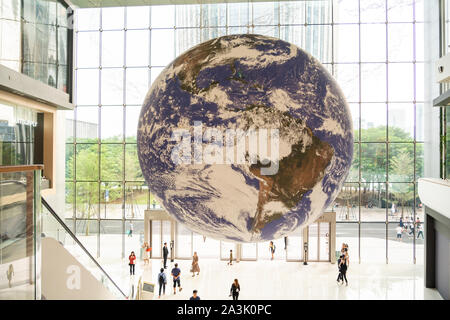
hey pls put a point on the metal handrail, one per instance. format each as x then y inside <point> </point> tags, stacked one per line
<point>74,237</point>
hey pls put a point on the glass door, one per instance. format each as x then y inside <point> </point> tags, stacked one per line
<point>324,241</point>
<point>295,245</point>
<point>155,236</point>
<point>249,251</point>
<point>313,242</point>
<point>183,242</point>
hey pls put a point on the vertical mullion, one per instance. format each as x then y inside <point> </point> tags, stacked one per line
<point>124,99</point>
<point>415,123</point>
<point>387,129</point>
<point>99,125</point>
<point>359,132</point>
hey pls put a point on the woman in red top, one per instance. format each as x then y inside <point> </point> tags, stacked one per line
<point>132,259</point>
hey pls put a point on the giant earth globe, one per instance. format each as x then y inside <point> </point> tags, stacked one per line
<point>245,138</point>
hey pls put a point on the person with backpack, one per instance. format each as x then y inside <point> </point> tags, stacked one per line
<point>176,274</point>
<point>272,248</point>
<point>162,281</point>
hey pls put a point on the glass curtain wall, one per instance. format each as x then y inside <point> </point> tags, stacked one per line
<point>34,39</point>
<point>374,48</point>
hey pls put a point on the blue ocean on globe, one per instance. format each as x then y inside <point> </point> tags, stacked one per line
<point>245,83</point>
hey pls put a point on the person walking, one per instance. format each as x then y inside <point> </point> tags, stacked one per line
<point>345,262</point>
<point>162,281</point>
<point>147,249</point>
<point>132,259</point>
<point>411,228</point>
<point>272,248</point>
<point>235,289</point>
<point>420,230</point>
<point>341,257</point>
<point>231,258</point>
<point>10,274</point>
<point>176,274</point>
<point>195,267</point>
<point>194,296</point>
<point>165,254</point>
<point>130,233</point>
<point>401,222</point>
<point>399,230</point>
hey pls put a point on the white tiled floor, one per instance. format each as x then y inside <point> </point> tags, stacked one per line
<point>282,280</point>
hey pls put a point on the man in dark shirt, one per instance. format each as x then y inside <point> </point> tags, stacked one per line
<point>176,274</point>
<point>194,296</point>
<point>165,254</point>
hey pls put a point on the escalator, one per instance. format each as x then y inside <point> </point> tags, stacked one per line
<point>40,257</point>
<point>69,271</point>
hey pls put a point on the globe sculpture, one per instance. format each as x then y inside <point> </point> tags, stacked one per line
<point>245,138</point>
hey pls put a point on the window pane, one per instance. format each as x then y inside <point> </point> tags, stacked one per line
<point>347,202</point>
<point>138,48</point>
<point>400,244</point>
<point>87,233</point>
<point>401,44</point>
<point>345,11</point>
<point>318,12</point>
<point>132,118</point>
<point>373,242</point>
<point>111,162</point>
<point>87,204</point>
<point>111,239</point>
<point>162,47</point>
<point>188,15</point>
<point>112,86</point>
<point>373,201</point>
<point>214,15</point>
<point>346,43</point>
<point>373,122</point>
<point>112,123</point>
<point>265,14</point>
<point>112,48</point>
<point>134,241</point>
<point>401,162</point>
<point>87,124</point>
<point>88,19</point>
<point>347,75</point>
<point>136,200</point>
<point>186,39</point>
<point>373,162</point>
<point>113,18</point>
<point>373,82</point>
<point>401,82</point>
<point>225,248</point>
<point>137,85</point>
<point>133,170</point>
<point>111,198</point>
<point>373,10</point>
<point>292,12</point>
<point>400,10</point>
<point>88,49</point>
<point>163,16</point>
<point>373,42</point>
<point>87,162</point>
<point>138,17</point>
<point>69,200</point>
<point>348,233</point>
<point>401,122</point>
<point>87,87</point>
<point>402,198</point>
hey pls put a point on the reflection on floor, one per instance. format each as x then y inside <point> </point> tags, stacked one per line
<point>287,280</point>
